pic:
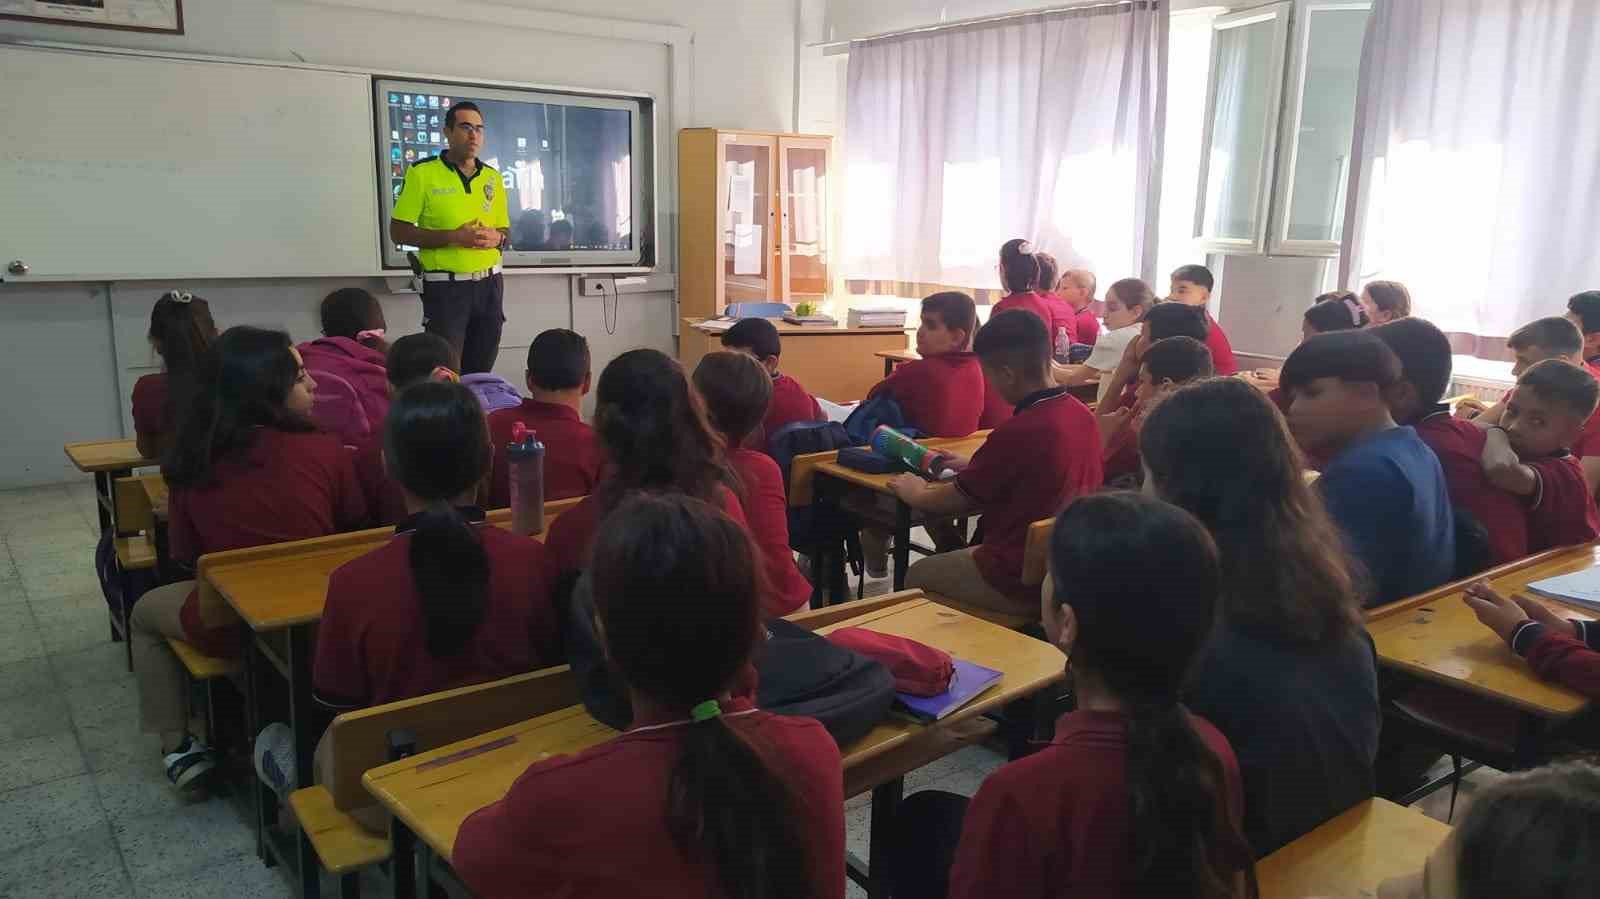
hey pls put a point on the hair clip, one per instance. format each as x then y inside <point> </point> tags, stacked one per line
<point>1025,248</point>
<point>443,374</point>
<point>180,296</point>
<point>1357,314</point>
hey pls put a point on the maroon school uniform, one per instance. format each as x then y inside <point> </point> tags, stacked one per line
<point>1057,823</point>
<point>942,396</point>
<point>1057,316</point>
<point>1063,318</point>
<point>1027,470</point>
<point>1459,446</point>
<point>766,509</point>
<point>1121,457</point>
<point>790,403</point>
<point>372,642</point>
<point>386,505</point>
<point>151,415</point>
<point>569,536</point>
<point>1221,350</point>
<point>1588,442</point>
<point>286,486</point>
<point>1088,326</point>
<point>996,411</point>
<point>1563,511</point>
<point>594,824</point>
<point>571,451</point>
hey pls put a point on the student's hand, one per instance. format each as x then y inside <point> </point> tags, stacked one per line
<point>1470,408</point>
<point>1497,613</point>
<point>1497,452</point>
<point>906,487</point>
<point>1112,423</point>
<point>1538,612</point>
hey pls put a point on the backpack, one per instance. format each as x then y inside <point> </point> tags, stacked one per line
<point>798,673</point>
<point>870,414</point>
<point>493,392</point>
<point>337,409</point>
<point>832,526</point>
<point>121,588</point>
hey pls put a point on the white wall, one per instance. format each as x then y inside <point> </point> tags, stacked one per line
<point>73,350</point>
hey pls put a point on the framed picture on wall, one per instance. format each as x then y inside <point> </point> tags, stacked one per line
<point>162,16</point>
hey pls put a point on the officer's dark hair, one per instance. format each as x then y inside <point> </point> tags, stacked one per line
<point>463,106</point>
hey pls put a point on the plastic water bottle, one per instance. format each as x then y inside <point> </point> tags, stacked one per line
<point>888,442</point>
<point>1063,345</point>
<point>525,459</point>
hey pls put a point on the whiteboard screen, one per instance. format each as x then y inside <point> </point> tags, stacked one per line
<point>117,167</point>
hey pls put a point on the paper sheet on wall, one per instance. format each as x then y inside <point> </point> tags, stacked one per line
<point>742,191</point>
<point>803,192</point>
<point>747,246</point>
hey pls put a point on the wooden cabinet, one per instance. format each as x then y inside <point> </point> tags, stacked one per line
<point>754,218</point>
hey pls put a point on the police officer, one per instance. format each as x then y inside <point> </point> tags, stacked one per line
<point>453,209</point>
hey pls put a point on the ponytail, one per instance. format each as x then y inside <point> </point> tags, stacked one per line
<point>726,807</point>
<point>451,571</point>
<point>181,329</point>
<point>1019,266</point>
<point>1184,841</point>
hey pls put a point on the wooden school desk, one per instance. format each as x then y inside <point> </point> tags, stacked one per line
<point>1353,853</point>
<point>279,590</point>
<point>1437,638</point>
<point>432,793</point>
<point>107,460</point>
<point>834,363</point>
<point>872,501</point>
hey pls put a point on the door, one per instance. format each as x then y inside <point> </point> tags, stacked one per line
<point>804,245</point>
<point>747,217</point>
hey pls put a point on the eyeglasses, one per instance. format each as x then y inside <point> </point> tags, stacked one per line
<point>470,128</point>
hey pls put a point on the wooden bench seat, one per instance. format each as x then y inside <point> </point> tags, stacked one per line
<point>341,843</point>
<point>200,666</point>
<point>136,553</point>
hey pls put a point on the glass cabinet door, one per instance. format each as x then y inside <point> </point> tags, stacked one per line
<point>1241,125</point>
<point>748,217</point>
<point>1319,126</point>
<point>804,172</point>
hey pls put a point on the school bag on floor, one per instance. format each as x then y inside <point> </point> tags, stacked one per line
<point>798,673</point>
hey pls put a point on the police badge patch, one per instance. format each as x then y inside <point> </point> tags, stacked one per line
<point>488,194</point>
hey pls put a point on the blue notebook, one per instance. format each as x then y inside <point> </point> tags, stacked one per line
<point>966,683</point>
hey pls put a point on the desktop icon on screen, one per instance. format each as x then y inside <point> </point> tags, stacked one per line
<point>411,155</point>
<point>522,143</point>
<point>394,135</point>
<point>407,99</point>
<point>444,103</point>
<point>394,98</point>
<point>422,101</point>
<point>437,137</point>
<point>406,121</point>
<point>433,102</point>
<point>433,119</point>
<point>394,152</point>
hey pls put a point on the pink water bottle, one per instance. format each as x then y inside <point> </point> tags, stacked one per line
<point>525,459</point>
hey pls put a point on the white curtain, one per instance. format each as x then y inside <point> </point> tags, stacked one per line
<point>1477,178</point>
<point>1044,127</point>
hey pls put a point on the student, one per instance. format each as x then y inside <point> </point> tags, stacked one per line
<point>1160,322</point>
<point>1337,310</point>
<point>1191,286</point>
<point>1528,456</point>
<point>351,350</point>
<point>1566,651</point>
<point>1127,301</point>
<point>1064,317</point>
<point>449,601</point>
<point>1383,486</point>
<point>1032,464</point>
<point>655,436</point>
<point>558,379</point>
<point>411,359</point>
<point>1553,338</point>
<point>758,337</point>
<point>1290,678</point>
<point>248,467</point>
<point>1135,796</point>
<point>1022,274</point>
<point>181,329</point>
<point>1529,834</point>
<point>941,394</point>
<point>1583,310</point>
<point>1167,365</point>
<point>737,390</point>
<point>706,795</point>
<point>1425,361</point>
<point>1385,301</point>
<point>1077,289</point>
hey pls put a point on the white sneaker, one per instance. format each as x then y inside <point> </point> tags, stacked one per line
<point>274,758</point>
<point>191,761</point>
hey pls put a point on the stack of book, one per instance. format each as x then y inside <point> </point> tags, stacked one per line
<point>877,317</point>
<point>816,319</point>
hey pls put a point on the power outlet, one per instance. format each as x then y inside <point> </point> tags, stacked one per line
<point>591,286</point>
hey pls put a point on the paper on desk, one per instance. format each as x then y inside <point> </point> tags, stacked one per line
<point>1579,587</point>
<point>836,411</point>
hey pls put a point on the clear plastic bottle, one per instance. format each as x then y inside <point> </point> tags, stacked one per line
<point>525,459</point>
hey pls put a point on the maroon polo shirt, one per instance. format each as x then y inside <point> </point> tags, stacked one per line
<point>571,451</point>
<point>1563,511</point>
<point>284,486</point>
<point>372,641</point>
<point>151,414</point>
<point>790,403</point>
<point>1048,453</point>
<point>1062,317</point>
<point>1459,446</point>
<point>1221,350</point>
<point>595,823</point>
<point>1057,823</point>
<point>386,505</point>
<point>1052,310</point>
<point>942,396</point>
<point>569,536</point>
<point>995,408</point>
<point>1121,456</point>
<point>766,509</point>
<point>1088,326</point>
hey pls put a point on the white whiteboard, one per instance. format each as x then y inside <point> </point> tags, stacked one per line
<point>125,167</point>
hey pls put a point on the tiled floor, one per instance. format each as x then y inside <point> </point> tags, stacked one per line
<point>85,811</point>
